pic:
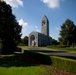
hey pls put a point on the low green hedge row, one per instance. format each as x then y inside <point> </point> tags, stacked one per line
<point>60,62</point>
<point>22,44</point>
<point>57,46</point>
<point>64,63</point>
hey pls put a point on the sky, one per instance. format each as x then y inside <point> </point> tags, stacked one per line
<point>29,14</point>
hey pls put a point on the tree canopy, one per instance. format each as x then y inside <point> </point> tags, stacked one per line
<point>10,30</point>
<point>68,33</point>
<point>24,40</point>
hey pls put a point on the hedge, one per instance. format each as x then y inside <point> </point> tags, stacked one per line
<point>57,46</point>
<point>64,63</point>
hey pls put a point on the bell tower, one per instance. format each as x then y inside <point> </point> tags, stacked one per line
<point>45,26</point>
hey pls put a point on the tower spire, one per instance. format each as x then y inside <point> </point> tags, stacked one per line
<point>45,26</point>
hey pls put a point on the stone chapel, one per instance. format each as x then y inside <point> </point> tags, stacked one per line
<point>43,38</point>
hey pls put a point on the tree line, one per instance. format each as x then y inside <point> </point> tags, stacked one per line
<point>68,33</point>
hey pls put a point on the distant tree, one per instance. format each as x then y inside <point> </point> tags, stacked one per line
<point>10,30</point>
<point>54,42</point>
<point>25,40</point>
<point>68,33</point>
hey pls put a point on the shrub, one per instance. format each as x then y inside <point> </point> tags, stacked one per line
<point>60,62</point>
<point>64,63</point>
<point>57,46</point>
<point>20,44</point>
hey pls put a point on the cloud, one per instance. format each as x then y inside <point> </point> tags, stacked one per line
<point>14,3</point>
<point>25,27</point>
<point>57,28</point>
<point>37,29</point>
<point>52,3</point>
<point>23,23</point>
<point>36,26</point>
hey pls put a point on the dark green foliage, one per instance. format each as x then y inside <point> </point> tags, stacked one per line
<point>25,40</point>
<point>54,42</point>
<point>60,62</point>
<point>10,30</point>
<point>0,45</point>
<point>68,33</point>
<point>64,63</point>
<point>57,46</point>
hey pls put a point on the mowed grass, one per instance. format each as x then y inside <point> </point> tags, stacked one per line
<point>20,64</point>
<point>67,49</point>
<point>33,70</point>
<point>29,63</point>
<point>23,48</point>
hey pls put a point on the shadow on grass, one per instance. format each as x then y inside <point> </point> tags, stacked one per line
<point>56,53</point>
<point>70,57</point>
<point>48,51</point>
<point>28,58</point>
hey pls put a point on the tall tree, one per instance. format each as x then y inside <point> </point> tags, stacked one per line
<point>10,30</point>
<point>25,40</point>
<point>68,33</point>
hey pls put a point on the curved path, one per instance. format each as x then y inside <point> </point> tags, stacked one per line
<point>56,53</point>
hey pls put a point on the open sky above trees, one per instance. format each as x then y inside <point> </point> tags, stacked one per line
<point>30,12</point>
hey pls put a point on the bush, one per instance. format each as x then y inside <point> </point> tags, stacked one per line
<point>61,46</point>
<point>20,44</point>
<point>64,63</point>
<point>57,46</point>
<point>60,62</point>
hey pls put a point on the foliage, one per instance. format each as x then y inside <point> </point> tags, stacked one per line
<point>64,63</point>
<point>10,30</point>
<point>24,40</point>
<point>61,48</point>
<point>57,46</point>
<point>68,33</point>
<point>54,42</point>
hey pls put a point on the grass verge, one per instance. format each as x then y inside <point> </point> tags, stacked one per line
<point>67,49</point>
<point>19,64</point>
<point>23,48</point>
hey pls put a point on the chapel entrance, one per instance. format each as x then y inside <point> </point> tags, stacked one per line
<point>32,40</point>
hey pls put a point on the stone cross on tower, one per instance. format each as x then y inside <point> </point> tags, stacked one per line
<point>45,26</point>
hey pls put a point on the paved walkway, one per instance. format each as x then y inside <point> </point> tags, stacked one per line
<point>56,53</point>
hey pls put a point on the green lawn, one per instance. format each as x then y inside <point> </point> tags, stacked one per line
<point>33,70</point>
<point>71,49</point>
<point>24,48</point>
<point>19,65</point>
<point>28,63</point>
<point>67,49</point>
